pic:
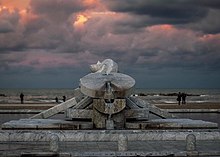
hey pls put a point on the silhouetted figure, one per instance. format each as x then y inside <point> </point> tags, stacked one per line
<point>64,98</point>
<point>56,99</point>
<point>22,98</point>
<point>179,97</point>
<point>183,98</point>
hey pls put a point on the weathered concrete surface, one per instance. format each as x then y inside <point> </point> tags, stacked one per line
<point>106,135</point>
<point>135,102</point>
<point>192,110</point>
<point>109,143</point>
<point>190,142</point>
<point>79,113</point>
<point>74,102</point>
<point>39,124</point>
<point>110,149</point>
<point>109,108</point>
<point>88,113</point>
<point>56,109</point>
<point>94,84</point>
<point>172,124</point>
<point>142,114</point>
<point>183,123</point>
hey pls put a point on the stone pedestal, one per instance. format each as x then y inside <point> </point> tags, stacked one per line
<point>109,124</point>
<point>102,111</point>
<point>122,142</point>
<point>190,142</point>
<point>94,85</point>
<point>54,143</point>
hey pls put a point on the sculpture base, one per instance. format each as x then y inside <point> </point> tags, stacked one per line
<point>53,124</point>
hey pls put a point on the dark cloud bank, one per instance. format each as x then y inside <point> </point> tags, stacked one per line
<point>162,44</point>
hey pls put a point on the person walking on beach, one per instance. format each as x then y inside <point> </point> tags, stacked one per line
<point>183,98</point>
<point>64,98</point>
<point>179,95</point>
<point>56,99</point>
<point>22,98</point>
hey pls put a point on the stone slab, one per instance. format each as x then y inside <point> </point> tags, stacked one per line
<point>192,110</point>
<point>79,113</point>
<point>107,135</point>
<point>94,84</point>
<point>56,109</point>
<point>73,102</point>
<point>135,103</point>
<point>171,124</point>
<point>38,124</point>
<point>109,108</point>
<point>137,113</point>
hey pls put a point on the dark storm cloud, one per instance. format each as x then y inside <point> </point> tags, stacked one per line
<point>143,36</point>
<point>206,3</point>
<point>52,25</point>
<point>195,14</point>
<point>176,10</point>
<point>57,10</point>
<point>11,36</point>
<point>8,21</point>
<point>209,24</point>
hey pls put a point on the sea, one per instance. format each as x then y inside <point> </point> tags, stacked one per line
<point>48,95</point>
<point>154,96</point>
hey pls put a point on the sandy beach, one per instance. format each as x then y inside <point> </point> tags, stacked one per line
<point>43,106</point>
<point>205,105</point>
<point>30,106</point>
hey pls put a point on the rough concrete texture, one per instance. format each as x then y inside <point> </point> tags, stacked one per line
<point>107,143</point>
<point>94,84</point>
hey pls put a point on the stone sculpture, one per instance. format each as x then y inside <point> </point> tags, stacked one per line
<point>107,66</point>
<point>108,90</point>
<point>104,101</point>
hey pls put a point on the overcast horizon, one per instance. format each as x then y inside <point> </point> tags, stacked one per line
<point>160,43</point>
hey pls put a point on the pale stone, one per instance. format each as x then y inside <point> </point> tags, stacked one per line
<point>56,109</point>
<point>106,67</point>
<point>94,84</point>
<point>190,142</point>
<point>109,124</point>
<point>137,113</point>
<point>78,113</point>
<point>74,102</point>
<point>109,108</point>
<point>122,142</point>
<point>54,143</point>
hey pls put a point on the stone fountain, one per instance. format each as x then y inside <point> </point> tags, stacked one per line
<point>104,100</point>
<point>104,109</point>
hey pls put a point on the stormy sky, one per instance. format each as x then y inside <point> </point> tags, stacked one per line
<point>160,43</point>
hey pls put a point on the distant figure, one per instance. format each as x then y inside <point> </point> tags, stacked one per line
<point>22,98</point>
<point>64,98</point>
<point>179,97</point>
<point>56,99</point>
<point>183,98</point>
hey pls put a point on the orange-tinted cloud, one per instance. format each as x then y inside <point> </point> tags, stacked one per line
<point>80,20</point>
<point>64,33</point>
<point>13,4</point>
